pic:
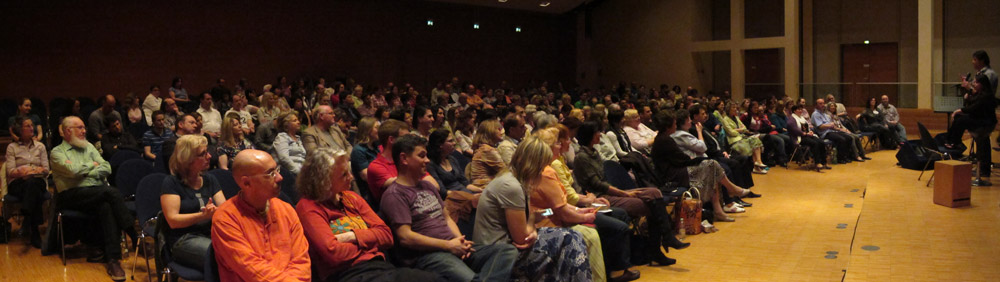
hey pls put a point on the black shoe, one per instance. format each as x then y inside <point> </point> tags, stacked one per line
<point>752,195</point>
<point>629,275</point>
<point>672,242</point>
<point>662,261</point>
<point>97,256</point>
<point>865,158</point>
<point>743,203</point>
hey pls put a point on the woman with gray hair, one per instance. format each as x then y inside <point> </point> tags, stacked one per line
<point>347,240</point>
<point>189,199</point>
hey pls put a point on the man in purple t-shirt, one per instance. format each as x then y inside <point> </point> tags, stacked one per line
<point>429,239</point>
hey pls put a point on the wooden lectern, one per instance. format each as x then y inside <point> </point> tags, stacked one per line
<point>952,183</point>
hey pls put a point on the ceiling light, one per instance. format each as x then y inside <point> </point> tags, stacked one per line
<point>544,4</point>
<point>867,42</point>
<point>517,29</point>
<point>430,22</point>
<point>475,26</point>
<point>502,1</point>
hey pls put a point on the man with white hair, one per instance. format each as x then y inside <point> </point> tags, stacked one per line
<point>80,176</point>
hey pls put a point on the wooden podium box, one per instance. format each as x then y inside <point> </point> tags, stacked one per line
<point>952,183</point>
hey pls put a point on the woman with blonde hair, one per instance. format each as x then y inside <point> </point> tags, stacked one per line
<point>347,240</point>
<point>505,215</point>
<point>486,162</point>
<point>365,150</point>
<point>287,143</point>
<point>640,135</point>
<point>611,234</point>
<point>189,199</point>
<point>270,108</point>
<point>232,140</point>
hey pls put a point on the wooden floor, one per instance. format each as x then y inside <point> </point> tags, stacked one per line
<point>791,234</point>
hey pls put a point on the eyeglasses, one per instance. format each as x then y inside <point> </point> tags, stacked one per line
<point>271,173</point>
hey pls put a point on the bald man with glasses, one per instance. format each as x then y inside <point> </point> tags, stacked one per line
<point>256,236</point>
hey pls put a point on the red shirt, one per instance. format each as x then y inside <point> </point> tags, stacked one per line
<point>322,221</point>
<point>380,170</point>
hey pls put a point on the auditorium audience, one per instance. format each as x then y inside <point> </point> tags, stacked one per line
<point>872,120</point>
<point>504,217</point>
<point>117,139</point>
<point>96,127</point>
<point>27,166</point>
<point>231,141</point>
<point>24,111</point>
<point>892,118</point>
<point>741,140</point>
<point>589,173</point>
<point>826,128</point>
<point>256,236</point>
<point>152,140</point>
<point>189,199</point>
<point>611,235</point>
<point>365,151</point>
<point>533,186</point>
<point>444,167</point>
<point>211,118</point>
<point>706,174</point>
<point>152,103</point>
<point>428,238</point>
<point>324,133</point>
<point>801,131</point>
<point>79,173</point>
<point>513,126</point>
<point>347,240</point>
<point>486,162</point>
<point>287,144</point>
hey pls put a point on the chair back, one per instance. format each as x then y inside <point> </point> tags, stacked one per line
<point>288,190</point>
<point>147,197</point>
<point>129,175</point>
<point>121,156</point>
<point>225,178</point>
<point>926,139</point>
<point>211,266</point>
<point>618,176</point>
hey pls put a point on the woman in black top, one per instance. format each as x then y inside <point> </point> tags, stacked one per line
<point>443,166</point>
<point>189,199</point>
<point>871,120</point>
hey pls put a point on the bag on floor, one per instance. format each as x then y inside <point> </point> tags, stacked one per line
<point>690,211</point>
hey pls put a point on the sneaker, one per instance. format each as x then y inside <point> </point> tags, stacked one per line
<point>733,209</point>
<point>759,170</point>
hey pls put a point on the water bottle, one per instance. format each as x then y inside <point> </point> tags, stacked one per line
<point>682,231</point>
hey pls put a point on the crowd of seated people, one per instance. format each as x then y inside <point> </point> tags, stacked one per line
<point>473,184</point>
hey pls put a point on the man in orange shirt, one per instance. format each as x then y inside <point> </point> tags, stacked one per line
<point>256,236</point>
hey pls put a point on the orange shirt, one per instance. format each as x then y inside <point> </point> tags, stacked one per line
<point>548,194</point>
<point>249,247</point>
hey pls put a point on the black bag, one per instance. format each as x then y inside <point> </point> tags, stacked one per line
<point>912,156</point>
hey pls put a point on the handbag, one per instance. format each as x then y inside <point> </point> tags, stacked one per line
<point>689,210</point>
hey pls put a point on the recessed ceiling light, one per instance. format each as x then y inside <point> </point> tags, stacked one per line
<point>517,29</point>
<point>502,1</point>
<point>867,42</point>
<point>430,22</point>
<point>475,26</point>
<point>545,4</point>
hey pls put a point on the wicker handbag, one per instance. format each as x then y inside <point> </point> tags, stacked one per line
<point>689,210</point>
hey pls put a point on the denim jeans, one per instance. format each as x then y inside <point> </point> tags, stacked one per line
<point>488,263</point>
<point>190,250</point>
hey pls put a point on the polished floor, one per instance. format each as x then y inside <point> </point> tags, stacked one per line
<point>868,221</point>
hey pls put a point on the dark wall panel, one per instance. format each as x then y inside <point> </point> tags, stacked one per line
<point>89,48</point>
